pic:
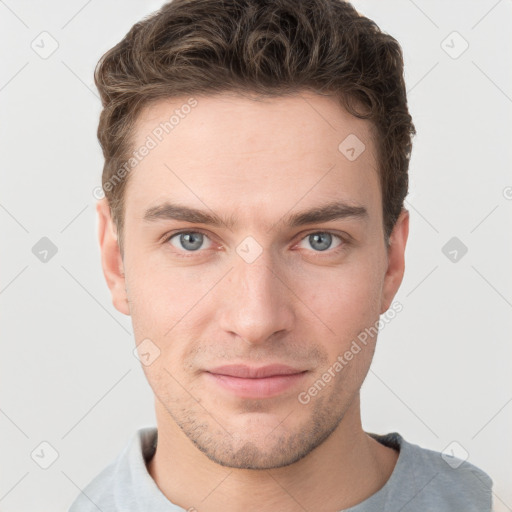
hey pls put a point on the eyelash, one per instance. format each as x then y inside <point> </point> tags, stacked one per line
<point>330,252</point>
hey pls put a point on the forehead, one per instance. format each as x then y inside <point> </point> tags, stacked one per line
<point>253,156</point>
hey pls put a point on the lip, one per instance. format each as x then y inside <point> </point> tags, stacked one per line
<point>249,372</point>
<point>250,382</point>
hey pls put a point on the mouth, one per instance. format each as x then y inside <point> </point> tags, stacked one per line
<point>251,382</point>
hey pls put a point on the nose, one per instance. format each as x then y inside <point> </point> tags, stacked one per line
<point>258,302</point>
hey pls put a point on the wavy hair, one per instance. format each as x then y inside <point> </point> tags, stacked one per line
<point>264,47</point>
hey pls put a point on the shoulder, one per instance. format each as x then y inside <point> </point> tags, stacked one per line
<point>113,488</point>
<point>98,494</point>
<point>425,479</point>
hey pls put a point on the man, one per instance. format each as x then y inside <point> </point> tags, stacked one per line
<point>256,160</point>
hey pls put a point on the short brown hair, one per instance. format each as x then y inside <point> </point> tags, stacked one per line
<point>264,47</point>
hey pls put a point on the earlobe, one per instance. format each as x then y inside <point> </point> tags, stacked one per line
<point>396,260</point>
<point>111,261</point>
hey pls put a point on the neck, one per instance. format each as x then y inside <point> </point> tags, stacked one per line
<point>347,468</point>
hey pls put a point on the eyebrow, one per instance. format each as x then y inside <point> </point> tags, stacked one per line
<point>323,213</point>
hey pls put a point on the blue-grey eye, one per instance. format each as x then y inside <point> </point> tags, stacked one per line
<point>188,240</point>
<point>321,241</point>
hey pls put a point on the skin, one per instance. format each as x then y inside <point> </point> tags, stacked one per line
<point>295,304</point>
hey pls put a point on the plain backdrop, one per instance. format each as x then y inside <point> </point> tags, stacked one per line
<point>72,392</point>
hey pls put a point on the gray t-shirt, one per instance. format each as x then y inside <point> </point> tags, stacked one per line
<point>422,480</point>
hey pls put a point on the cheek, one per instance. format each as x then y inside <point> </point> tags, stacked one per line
<point>349,308</point>
<point>165,304</point>
<point>160,296</point>
<point>347,298</point>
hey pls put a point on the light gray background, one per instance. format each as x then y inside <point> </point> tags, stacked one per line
<point>442,368</point>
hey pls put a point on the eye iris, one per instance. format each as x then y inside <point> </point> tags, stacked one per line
<point>318,236</point>
<point>195,239</point>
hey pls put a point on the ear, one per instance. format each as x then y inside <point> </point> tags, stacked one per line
<point>111,261</point>
<point>396,260</point>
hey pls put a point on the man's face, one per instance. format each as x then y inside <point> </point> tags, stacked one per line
<point>261,290</point>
